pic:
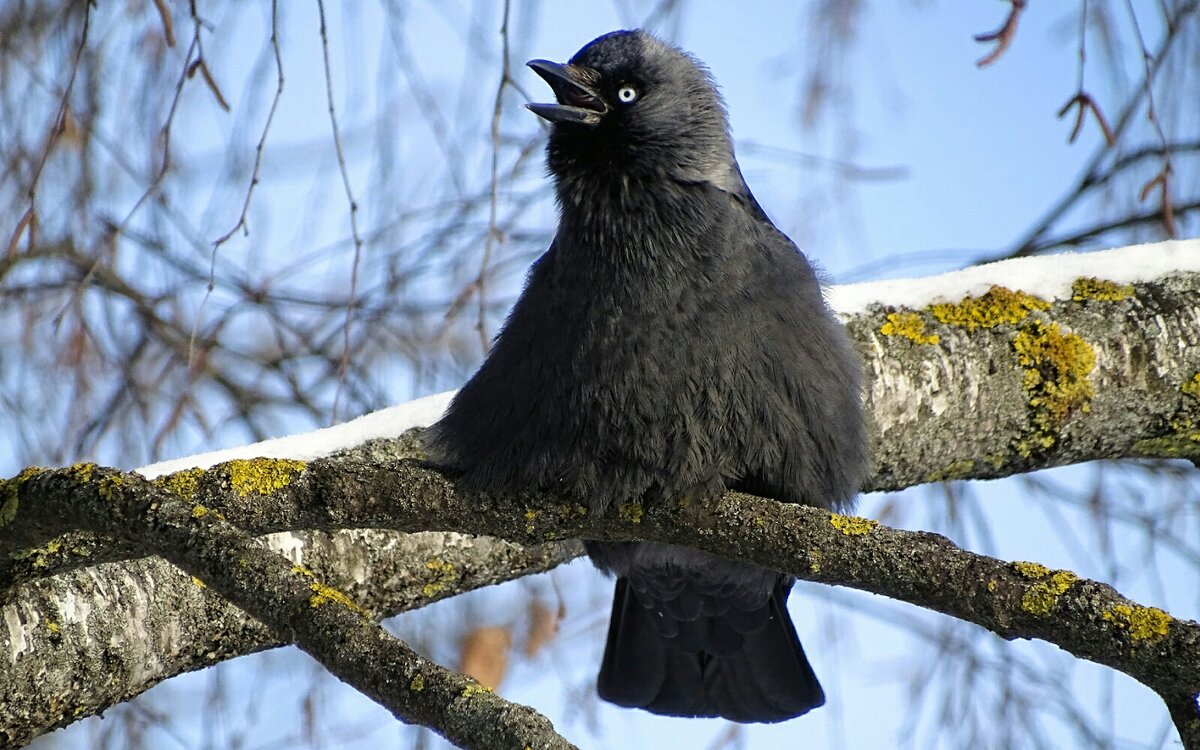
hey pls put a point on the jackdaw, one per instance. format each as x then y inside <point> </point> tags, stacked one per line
<point>671,344</point>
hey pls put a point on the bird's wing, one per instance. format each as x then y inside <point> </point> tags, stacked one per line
<point>807,443</point>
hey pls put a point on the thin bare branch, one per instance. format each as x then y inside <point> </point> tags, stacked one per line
<point>335,131</point>
<point>1163,178</point>
<point>260,147</point>
<point>493,230</point>
<point>27,222</point>
<point>168,26</point>
<point>1032,241</point>
<point>1002,36</point>
<point>1084,103</point>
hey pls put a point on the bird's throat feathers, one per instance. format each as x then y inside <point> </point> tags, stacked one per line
<point>612,217</point>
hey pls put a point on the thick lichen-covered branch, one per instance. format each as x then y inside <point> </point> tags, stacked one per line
<point>143,620</point>
<point>291,601</point>
<point>1005,382</point>
<point>1015,600</point>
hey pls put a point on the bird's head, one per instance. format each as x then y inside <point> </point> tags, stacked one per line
<point>630,107</point>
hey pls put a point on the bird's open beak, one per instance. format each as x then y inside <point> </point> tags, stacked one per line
<point>578,100</point>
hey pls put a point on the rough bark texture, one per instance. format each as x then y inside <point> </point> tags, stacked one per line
<point>141,621</point>
<point>953,395</point>
<point>985,387</point>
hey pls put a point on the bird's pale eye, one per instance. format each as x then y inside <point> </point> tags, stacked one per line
<point>627,94</point>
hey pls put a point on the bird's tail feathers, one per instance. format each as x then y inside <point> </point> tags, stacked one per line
<point>695,673</point>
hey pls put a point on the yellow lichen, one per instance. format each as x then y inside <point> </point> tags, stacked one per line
<point>82,472</point>
<point>323,594</point>
<point>474,688</point>
<point>1183,441</point>
<point>960,469</point>
<point>261,476</point>
<point>814,560</point>
<point>198,583</point>
<point>632,511</point>
<point>852,525</point>
<point>417,684</point>
<point>1086,288</point>
<point>9,489</point>
<point>1041,595</point>
<point>1143,623</point>
<point>1031,569</point>
<point>184,483</point>
<point>530,517</point>
<point>910,325</point>
<point>53,626</point>
<point>994,307</point>
<point>43,555</point>
<point>445,574</point>
<point>200,511</point>
<point>109,486</point>
<point>1169,446</point>
<point>1192,387</point>
<point>1057,367</point>
<point>992,585</point>
<point>566,510</point>
<point>302,570</point>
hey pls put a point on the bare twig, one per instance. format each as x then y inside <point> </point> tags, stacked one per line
<point>1146,218</point>
<point>1084,103</point>
<point>168,27</point>
<point>262,139</point>
<point>493,231</point>
<point>1185,712</point>
<point>1083,100</point>
<point>358,240</point>
<point>206,74</point>
<point>1163,178</point>
<point>1032,241</point>
<point>56,130</point>
<point>1002,36</point>
<point>28,221</point>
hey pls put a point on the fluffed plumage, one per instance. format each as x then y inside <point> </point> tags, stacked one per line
<point>672,343</point>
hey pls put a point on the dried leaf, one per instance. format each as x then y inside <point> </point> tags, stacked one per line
<point>1002,36</point>
<point>1152,183</point>
<point>168,27</point>
<point>543,627</point>
<point>212,84</point>
<point>485,655</point>
<point>28,222</point>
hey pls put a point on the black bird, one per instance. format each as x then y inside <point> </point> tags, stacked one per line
<point>671,344</point>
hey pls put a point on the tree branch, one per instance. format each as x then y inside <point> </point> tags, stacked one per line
<point>1015,600</point>
<point>297,607</point>
<point>1109,371</point>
